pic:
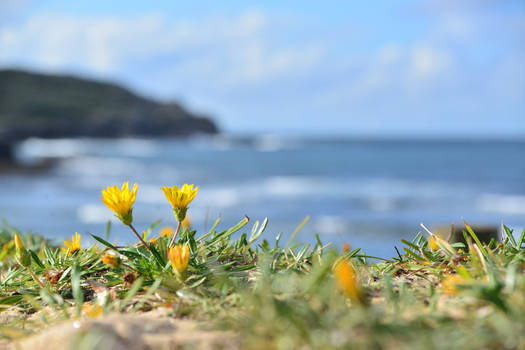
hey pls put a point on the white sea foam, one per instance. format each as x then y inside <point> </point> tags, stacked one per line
<point>41,148</point>
<point>504,204</point>
<point>35,148</point>
<point>100,166</point>
<point>380,193</point>
<point>136,147</point>
<point>94,214</point>
<point>329,224</point>
<point>219,197</point>
<point>381,203</point>
<point>292,185</point>
<point>269,143</point>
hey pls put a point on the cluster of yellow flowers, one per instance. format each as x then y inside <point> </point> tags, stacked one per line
<point>121,200</point>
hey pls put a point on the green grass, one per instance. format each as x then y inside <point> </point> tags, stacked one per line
<point>279,295</point>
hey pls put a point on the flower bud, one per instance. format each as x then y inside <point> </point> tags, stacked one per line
<point>22,255</point>
<point>112,259</point>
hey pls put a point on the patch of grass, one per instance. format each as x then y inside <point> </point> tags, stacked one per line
<point>453,296</point>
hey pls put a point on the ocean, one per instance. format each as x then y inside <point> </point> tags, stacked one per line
<point>369,193</point>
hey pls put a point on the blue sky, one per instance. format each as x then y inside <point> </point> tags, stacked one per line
<point>418,68</point>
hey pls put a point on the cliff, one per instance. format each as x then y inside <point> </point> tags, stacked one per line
<point>50,106</point>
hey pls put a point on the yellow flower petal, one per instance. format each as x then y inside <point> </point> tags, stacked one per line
<point>180,198</point>
<point>179,257</point>
<point>72,245</point>
<point>120,201</point>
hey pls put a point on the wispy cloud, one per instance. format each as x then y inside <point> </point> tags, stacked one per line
<point>228,51</point>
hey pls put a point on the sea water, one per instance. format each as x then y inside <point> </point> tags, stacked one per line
<point>369,193</point>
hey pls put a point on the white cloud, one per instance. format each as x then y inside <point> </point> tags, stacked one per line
<point>427,61</point>
<point>227,50</point>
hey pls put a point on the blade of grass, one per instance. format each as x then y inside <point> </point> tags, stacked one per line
<point>256,236</point>
<point>510,235</point>
<point>301,225</point>
<point>145,297</point>
<point>131,293</point>
<point>104,242</point>
<point>211,231</point>
<point>108,230</point>
<point>475,238</point>
<point>78,295</point>
<point>521,240</point>
<point>36,259</point>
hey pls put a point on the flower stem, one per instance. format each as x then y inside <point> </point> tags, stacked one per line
<point>174,235</point>
<point>37,280</point>
<point>130,267</point>
<point>140,238</point>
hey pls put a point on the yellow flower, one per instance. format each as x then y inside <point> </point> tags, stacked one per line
<point>22,255</point>
<point>180,198</point>
<point>179,256</point>
<point>166,231</point>
<point>120,201</point>
<point>112,259</point>
<point>72,245</point>
<point>347,281</point>
<point>433,242</point>
<point>18,243</point>
<point>449,284</point>
<point>92,310</point>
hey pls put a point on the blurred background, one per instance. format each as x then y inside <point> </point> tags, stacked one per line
<point>369,118</point>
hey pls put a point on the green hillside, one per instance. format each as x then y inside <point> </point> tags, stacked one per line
<point>42,105</point>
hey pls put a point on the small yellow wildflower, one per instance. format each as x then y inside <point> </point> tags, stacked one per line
<point>346,247</point>
<point>179,256</point>
<point>180,198</point>
<point>166,231</point>
<point>22,255</point>
<point>120,201</point>
<point>72,245</point>
<point>347,281</point>
<point>18,243</point>
<point>112,259</point>
<point>433,242</point>
<point>92,310</point>
<point>449,284</point>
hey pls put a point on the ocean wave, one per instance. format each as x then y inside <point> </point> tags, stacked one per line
<point>374,189</point>
<point>94,214</point>
<point>41,148</point>
<point>35,148</point>
<point>502,204</point>
<point>329,224</point>
<point>100,166</point>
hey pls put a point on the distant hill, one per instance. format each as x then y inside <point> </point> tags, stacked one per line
<point>49,106</point>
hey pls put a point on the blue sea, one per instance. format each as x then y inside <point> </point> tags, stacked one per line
<point>369,193</point>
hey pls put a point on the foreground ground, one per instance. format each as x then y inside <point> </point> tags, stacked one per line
<point>248,293</point>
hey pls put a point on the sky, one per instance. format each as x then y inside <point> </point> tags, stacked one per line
<point>383,68</point>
